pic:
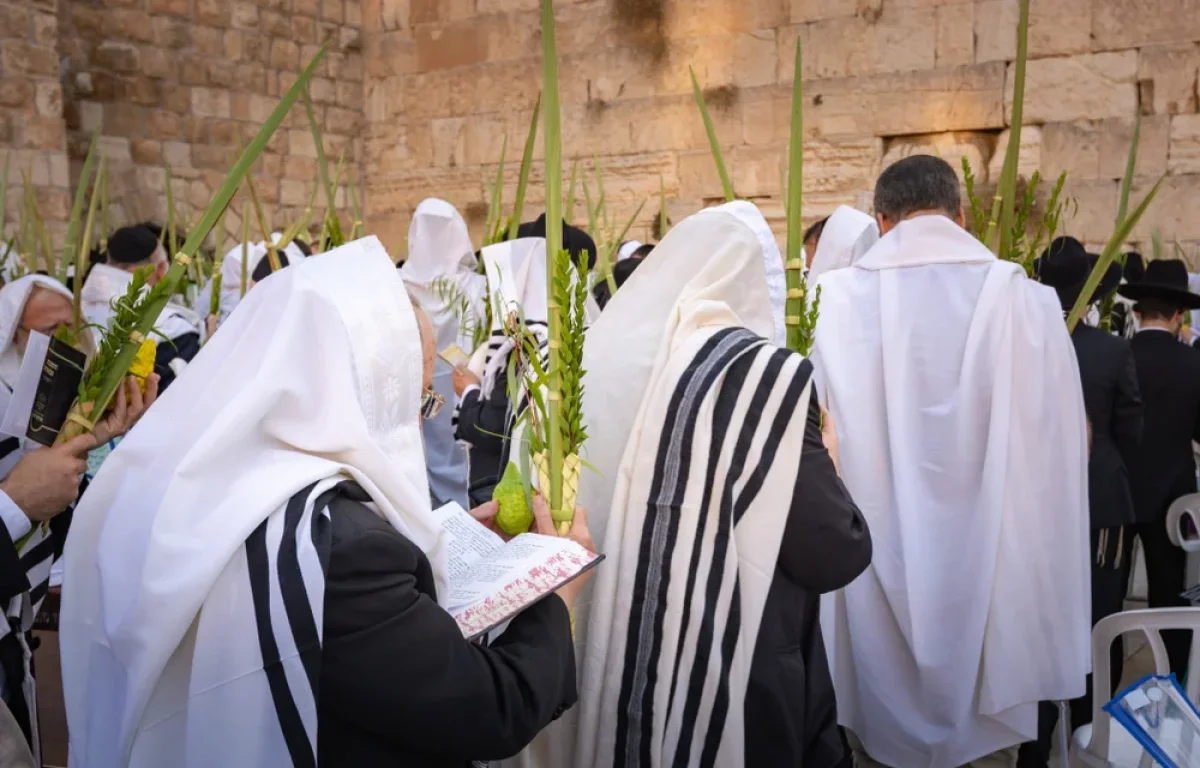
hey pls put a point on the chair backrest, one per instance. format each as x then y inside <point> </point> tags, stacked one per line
<point>1184,507</point>
<point>1150,623</point>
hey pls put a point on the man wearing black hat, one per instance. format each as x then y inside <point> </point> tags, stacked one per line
<point>1164,468</point>
<point>1114,409</point>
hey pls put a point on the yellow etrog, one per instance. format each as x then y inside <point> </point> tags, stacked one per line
<point>514,516</point>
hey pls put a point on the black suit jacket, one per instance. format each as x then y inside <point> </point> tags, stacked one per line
<point>399,684</point>
<point>790,708</point>
<point>1114,407</point>
<point>1164,468</point>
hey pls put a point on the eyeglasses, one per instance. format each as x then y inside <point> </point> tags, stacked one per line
<point>431,404</point>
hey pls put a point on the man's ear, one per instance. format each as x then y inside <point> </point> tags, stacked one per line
<point>961,218</point>
<point>885,224</point>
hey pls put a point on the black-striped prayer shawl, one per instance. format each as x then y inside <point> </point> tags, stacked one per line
<point>287,558</point>
<point>717,449</point>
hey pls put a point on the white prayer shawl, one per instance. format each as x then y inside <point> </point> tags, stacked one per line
<point>440,273</point>
<point>956,393</point>
<point>13,298</point>
<point>317,378</point>
<point>627,249</point>
<point>713,270</point>
<point>231,275</point>
<point>516,283</point>
<point>846,237</point>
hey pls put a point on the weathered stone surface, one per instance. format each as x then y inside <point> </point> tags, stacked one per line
<point>935,101</point>
<point>955,35</point>
<point>1091,86</point>
<point>951,147</point>
<point>1073,148</point>
<point>1174,208</point>
<point>1029,159</point>
<point>1172,72</point>
<point>894,42</point>
<point>1096,201</point>
<point>1122,23</point>
<point>1116,136</point>
<point>1184,156</point>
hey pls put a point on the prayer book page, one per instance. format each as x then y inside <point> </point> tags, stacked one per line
<point>491,580</point>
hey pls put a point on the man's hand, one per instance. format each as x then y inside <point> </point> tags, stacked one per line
<point>579,533</point>
<point>829,437</point>
<point>46,482</point>
<point>210,325</point>
<point>463,379</point>
<point>129,406</point>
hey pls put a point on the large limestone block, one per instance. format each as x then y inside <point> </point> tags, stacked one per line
<point>456,45</point>
<point>1173,211</point>
<point>675,123</point>
<point>1117,135</point>
<point>705,18</point>
<point>404,190</point>
<point>955,35</point>
<point>449,142</point>
<point>1185,144</point>
<point>1094,209</point>
<point>1029,159</point>
<point>1071,147</point>
<point>935,101</point>
<point>754,172</point>
<point>1123,23</point>
<point>851,45</point>
<point>1170,72</point>
<point>951,147</point>
<point>842,168</point>
<point>1091,86</point>
<point>1056,27</point>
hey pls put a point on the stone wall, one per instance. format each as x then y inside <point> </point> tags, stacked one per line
<point>31,110</point>
<point>180,83</point>
<point>447,79</point>
<point>184,82</point>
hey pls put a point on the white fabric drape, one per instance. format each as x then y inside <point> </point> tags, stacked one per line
<point>847,235</point>
<point>716,261</point>
<point>440,273</point>
<point>956,393</point>
<point>319,375</point>
<point>13,298</point>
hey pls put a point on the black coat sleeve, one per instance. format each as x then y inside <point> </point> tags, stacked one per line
<point>484,422</point>
<point>395,664</point>
<point>826,543</point>
<point>1127,408</point>
<point>183,348</point>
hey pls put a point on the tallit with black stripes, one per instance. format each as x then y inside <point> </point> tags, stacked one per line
<point>698,521</point>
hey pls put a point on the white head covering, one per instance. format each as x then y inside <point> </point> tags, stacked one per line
<point>319,375</point>
<point>627,249</point>
<point>439,249</point>
<point>13,298</point>
<point>438,244</point>
<point>516,282</point>
<point>748,214</point>
<point>722,264</point>
<point>846,236</point>
<point>231,274</point>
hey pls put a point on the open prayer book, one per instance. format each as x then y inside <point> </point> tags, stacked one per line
<point>492,580</point>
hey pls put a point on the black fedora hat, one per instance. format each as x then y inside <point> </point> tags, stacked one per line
<point>1065,266</point>
<point>1165,280</point>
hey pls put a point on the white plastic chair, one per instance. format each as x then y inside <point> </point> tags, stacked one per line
<point>1185,506</point>
<point>1101,744</point>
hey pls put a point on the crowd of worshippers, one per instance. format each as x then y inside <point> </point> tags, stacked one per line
<point>890,553</point>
